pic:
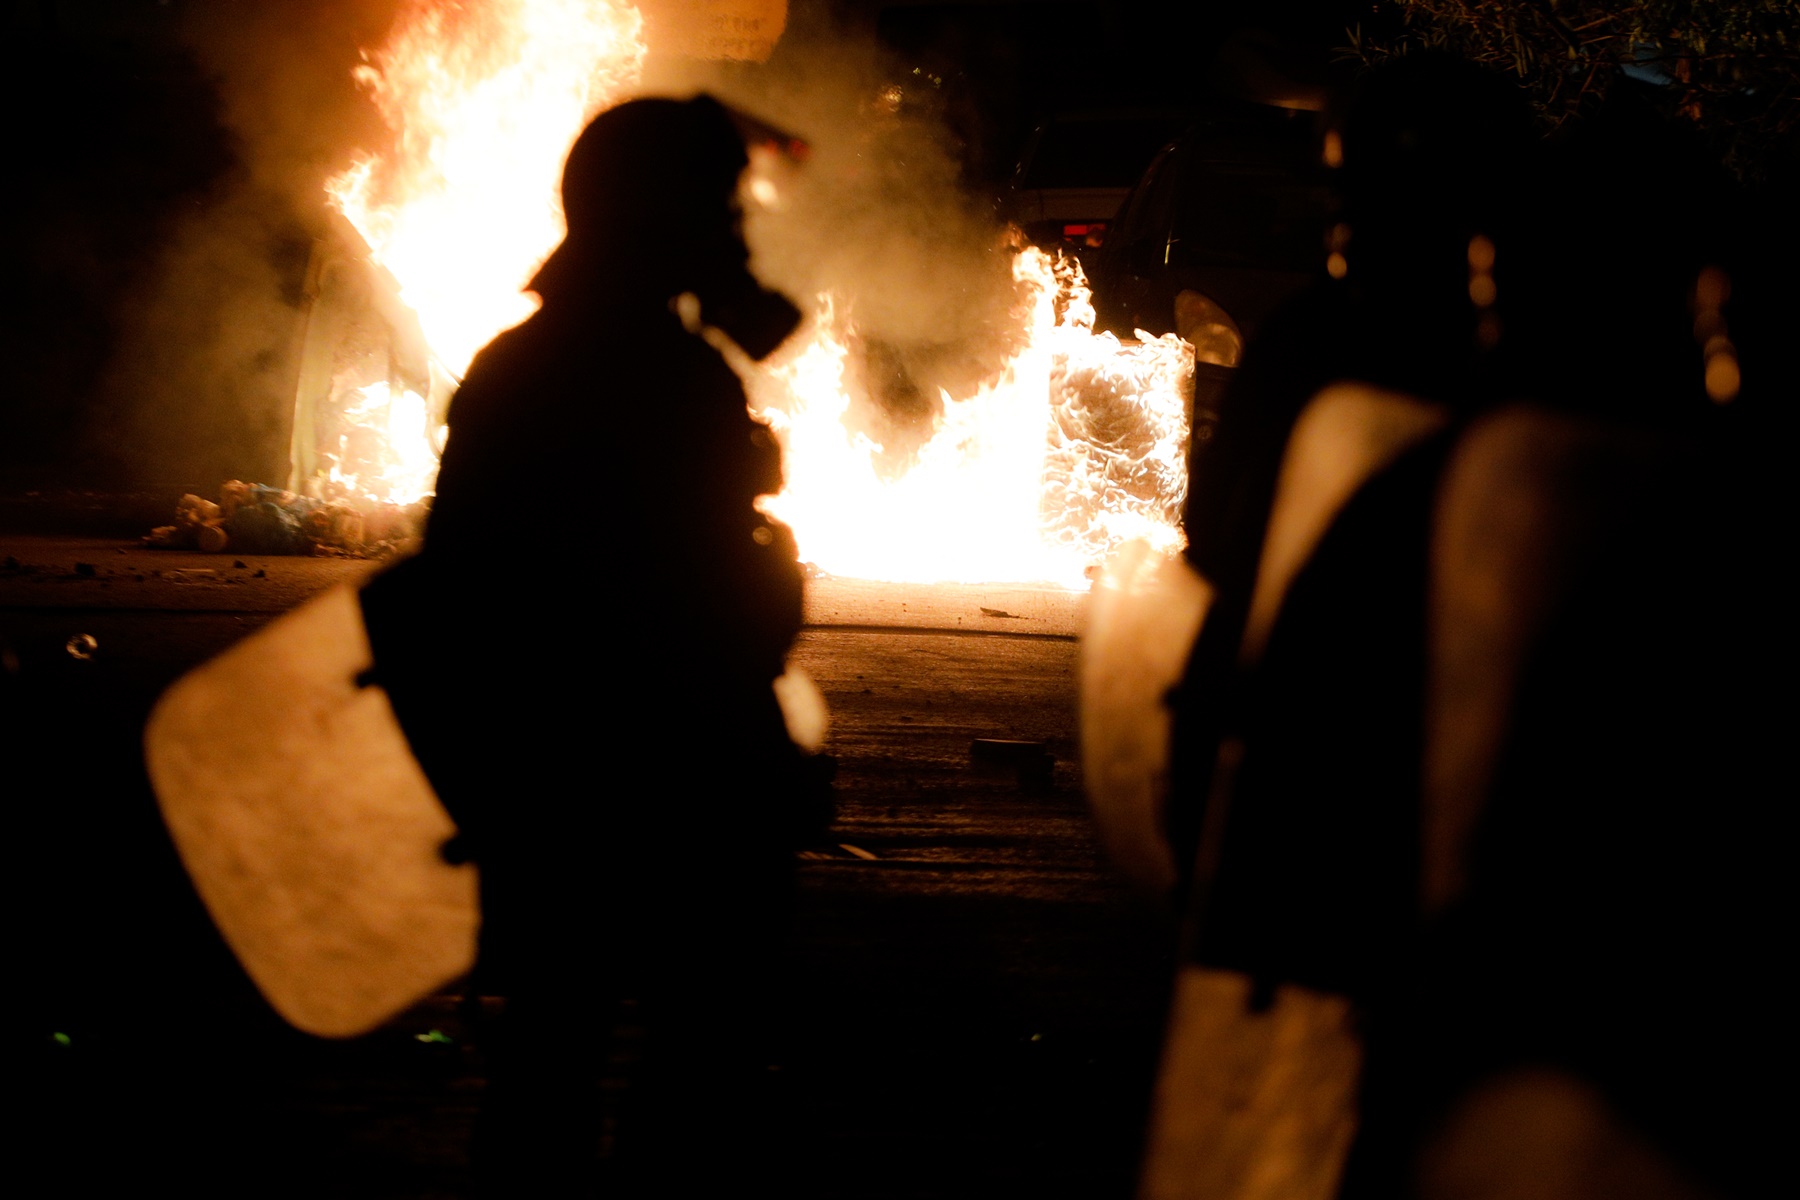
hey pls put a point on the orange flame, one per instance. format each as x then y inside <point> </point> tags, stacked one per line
<point>1077,446</point>
<point>485,98</point>
<point>385,452</point>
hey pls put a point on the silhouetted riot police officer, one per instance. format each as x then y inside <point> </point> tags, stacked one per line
<point>582,657</point>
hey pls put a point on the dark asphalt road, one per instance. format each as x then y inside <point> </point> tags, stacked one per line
<point>973,1002</point>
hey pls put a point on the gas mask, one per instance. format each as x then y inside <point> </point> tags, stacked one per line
<point>751,315</point>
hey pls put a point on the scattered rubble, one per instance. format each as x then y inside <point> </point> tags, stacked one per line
<point>253,518</point>
<point>1031,761</point>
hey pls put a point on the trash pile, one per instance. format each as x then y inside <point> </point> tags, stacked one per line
<point>252,518</point>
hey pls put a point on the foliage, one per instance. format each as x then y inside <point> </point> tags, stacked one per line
<point>1730,68</point>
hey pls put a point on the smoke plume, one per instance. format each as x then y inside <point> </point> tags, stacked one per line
<point>200,387</point>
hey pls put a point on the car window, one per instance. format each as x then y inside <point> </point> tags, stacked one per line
<point>1146,214</point>
<point>1249,214</point>
<point>1096,153</point>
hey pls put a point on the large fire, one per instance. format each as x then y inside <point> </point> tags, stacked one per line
<point>485,99</point>
<point>1076,445</point>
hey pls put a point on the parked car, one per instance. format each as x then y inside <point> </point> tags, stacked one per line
<point>1228,220</point>
<point>1077,168</point>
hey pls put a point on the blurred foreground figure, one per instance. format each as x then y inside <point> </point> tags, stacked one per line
<point>589,688</point>
<point>1463,815</point>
